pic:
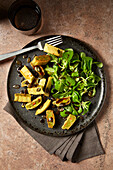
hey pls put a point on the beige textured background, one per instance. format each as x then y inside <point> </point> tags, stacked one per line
<point>88,20</point>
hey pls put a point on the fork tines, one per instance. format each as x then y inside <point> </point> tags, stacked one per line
<point>55,40</point>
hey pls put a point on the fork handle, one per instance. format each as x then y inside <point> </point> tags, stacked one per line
<point>14,53</point>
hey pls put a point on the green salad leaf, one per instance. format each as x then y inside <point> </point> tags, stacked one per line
<point>86,63</point>
<point>63,113</point>
<point>99,64</point>
<point>85,106</point>
<point>70,81</point>
<point>76,97</point>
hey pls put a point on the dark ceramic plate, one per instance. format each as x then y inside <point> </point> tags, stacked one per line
<point>29,118</point>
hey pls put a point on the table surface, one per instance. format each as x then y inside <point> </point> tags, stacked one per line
<point>90,21</point>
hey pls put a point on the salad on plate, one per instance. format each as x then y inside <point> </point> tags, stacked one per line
<point>64,78</point>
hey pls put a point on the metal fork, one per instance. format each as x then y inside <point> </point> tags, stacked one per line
<point>53,41</point>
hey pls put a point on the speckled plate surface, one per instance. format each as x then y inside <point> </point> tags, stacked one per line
<point>28,116</point>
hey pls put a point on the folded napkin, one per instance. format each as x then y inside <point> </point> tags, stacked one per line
<point>82,145</point>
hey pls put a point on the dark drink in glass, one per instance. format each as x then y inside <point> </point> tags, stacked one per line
<point>25,16</point>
